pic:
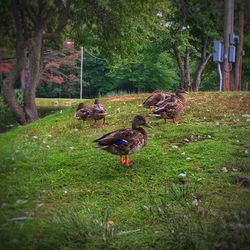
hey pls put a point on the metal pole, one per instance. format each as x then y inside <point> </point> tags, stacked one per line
<point>81,73</point>
<point>220,74</point>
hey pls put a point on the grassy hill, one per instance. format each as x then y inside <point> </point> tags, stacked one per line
<point>57,191</point>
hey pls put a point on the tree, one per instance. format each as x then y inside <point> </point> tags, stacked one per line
<point>118,28</point>
<point>193,25</point>
<point>28,25</point>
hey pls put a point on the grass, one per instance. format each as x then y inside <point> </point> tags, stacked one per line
<point>57,191</point>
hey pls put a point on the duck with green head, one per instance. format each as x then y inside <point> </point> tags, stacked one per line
<point>125,141</point>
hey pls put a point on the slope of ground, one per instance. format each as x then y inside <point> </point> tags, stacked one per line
<point>57,191</point>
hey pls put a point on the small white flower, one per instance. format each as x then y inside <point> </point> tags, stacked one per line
<point>247,152</point>
<point>19,201</point>
<point>174,146</point>
<point>195,203</point>
<point>224,170</point>
<point>182,174</point>
<point>35,137</point>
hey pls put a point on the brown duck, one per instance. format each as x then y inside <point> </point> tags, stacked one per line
<point>98,112</point>
<point>171,107</point>
<point>82,112</point>
<point>125,141</point>
<point>154,98</point>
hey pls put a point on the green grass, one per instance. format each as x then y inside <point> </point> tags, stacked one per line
<point>52,174</point>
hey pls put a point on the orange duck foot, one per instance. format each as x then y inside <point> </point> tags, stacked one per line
<point>127,162</point>
<point>122,161</point>
<point>174,121</point>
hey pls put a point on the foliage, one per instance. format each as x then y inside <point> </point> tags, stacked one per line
<point>66,190</point>
<point>7,119</point>
<point>98,79</point>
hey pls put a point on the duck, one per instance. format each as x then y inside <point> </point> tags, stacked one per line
<point>171,107</point>
<point>82,112</point>
<point>125,141</point>
<point>98,112</point>
<point>157,96</point>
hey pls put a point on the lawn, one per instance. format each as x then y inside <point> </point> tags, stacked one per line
<point>58,191</point>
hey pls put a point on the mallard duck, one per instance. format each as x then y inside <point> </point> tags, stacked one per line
<point>82,112</point>
<point>154,98</point>
<point>170,108</point>
<point>98,111</point>
<point>125,141</point>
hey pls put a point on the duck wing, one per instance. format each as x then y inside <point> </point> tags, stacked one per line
<point>98,108</point>
<point>168,98</point>
<point>83,113</point>
<point>116,137</point>
<point>122,141</point>
<point>153,99</point>
<point>170,108</point>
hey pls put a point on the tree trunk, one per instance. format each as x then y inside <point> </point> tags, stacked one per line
<point>34,64</point>
<point>197,76</point>
<point>180,64</point>
<point>187,69</point>
<point>238,64</point>
<point>28,112</point>
<point>9,81</point>
<point>227,29</point>
<point>10,97</point>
